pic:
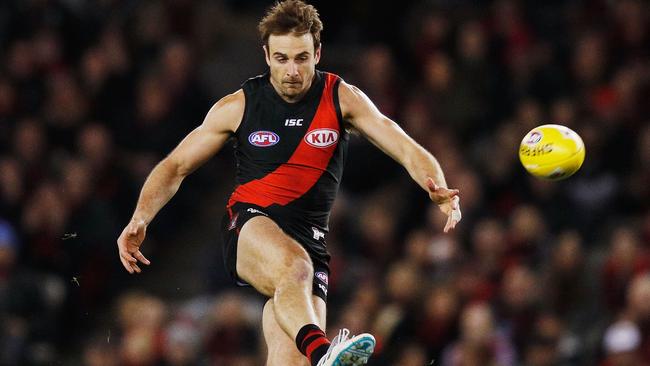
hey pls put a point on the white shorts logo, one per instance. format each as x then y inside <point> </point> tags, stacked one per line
<point>323,288</point>
<point>317,233</point>
<point>322,276</point>
<point>254,210</point>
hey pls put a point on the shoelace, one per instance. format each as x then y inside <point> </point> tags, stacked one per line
<point>341,337</point>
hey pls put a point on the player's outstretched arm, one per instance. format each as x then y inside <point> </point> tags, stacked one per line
<point>423,167</point>
<point>165,179</point>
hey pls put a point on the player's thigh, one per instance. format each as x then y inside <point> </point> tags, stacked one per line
<point>266,255</point>
<point>282,349</point>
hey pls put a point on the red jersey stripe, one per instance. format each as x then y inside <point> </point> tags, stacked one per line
<point>303,169</point>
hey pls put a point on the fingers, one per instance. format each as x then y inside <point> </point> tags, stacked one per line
<point>128,245</point>
<point>449,193</point>
<point>448,225</point>
<point>454,216</point>
<point>126,265</point>
<point>452,220</point>
<point>130,263</point>
<point>455,202</point>
<point>142,258</point>
<point>127,260</point>
<point>443,195</point>
<point>449,202</point>
<point>440,193</point>
<point>130,255</point>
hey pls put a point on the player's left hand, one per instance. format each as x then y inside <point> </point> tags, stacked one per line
<point>448,201</point>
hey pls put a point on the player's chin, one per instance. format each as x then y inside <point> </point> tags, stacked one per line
<point>291,92</point>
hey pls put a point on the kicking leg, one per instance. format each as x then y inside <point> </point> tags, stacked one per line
<point>277,266</point>
<point>282,349</point>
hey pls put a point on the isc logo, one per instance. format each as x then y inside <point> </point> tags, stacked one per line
<point>293,122</point>
<point>322,137</point>
<point>263,138</point>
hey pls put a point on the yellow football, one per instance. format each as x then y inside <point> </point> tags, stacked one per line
<point>552,152</point>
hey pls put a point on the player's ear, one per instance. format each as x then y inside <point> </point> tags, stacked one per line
<point>317,54</point>
<point>267,57</point>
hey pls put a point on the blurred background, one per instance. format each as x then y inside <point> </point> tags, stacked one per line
<point>94,93</point>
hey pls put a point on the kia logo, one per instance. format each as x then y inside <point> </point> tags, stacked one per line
<point>322,137</point>
<point>263,138</point>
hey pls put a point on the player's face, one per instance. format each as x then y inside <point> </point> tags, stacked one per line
<point>292,60</point>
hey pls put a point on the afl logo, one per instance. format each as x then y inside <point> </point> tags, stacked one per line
<point>263,138</point>
<point>534,138</point>
<point>322,276</point>
<point>322,137</point>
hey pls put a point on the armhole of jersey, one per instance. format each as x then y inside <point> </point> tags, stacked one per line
<point>337,106</point>
<point>244,115</point>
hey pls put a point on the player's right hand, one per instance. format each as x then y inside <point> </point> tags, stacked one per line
<point>129,243</point>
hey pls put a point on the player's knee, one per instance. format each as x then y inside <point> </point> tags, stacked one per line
<point>299,270</point>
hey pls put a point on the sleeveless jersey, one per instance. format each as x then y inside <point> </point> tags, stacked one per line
<point>290,156</point>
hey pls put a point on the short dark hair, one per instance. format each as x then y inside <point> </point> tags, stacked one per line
<point>291,16</point>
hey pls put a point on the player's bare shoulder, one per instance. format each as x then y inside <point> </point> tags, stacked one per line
<point>356,107</point>
<point>349,98</point>
<point>227,113</point>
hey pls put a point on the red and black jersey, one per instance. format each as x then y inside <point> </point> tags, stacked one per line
<point>290,156</point>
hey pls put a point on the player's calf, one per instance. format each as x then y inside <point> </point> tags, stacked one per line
<point>312,343</point>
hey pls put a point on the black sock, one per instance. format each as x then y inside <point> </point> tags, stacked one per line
<point>312,343</point>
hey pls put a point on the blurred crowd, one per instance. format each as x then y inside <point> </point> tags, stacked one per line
<point>93,94</point>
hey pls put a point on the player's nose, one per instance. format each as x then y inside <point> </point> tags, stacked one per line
<point>292,69</point>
